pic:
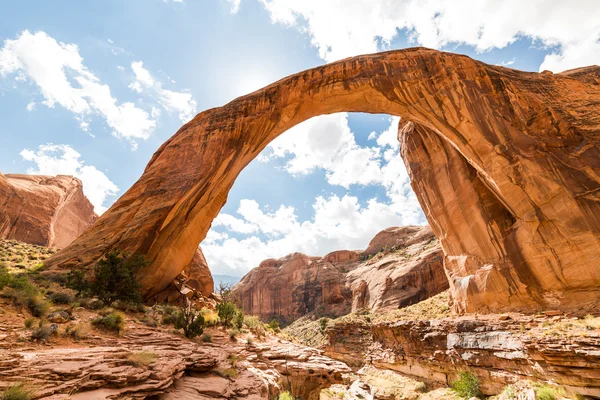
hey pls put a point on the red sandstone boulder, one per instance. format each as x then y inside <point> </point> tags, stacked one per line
<point>43,210</point>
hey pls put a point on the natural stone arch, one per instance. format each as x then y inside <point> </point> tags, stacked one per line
<point>531,140</point>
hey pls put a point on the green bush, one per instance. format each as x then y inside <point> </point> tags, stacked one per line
<point>274,325</point>
<point>61,298</point>
<point>285,396</point>
<point>24,293</point>
<point>5,277</point>
<point>17,392</point>
<point>29,322</point>
<point>115,321</point>
<point>238,321</point>
<point>190,320</point>
<point>467,385</point>
<point>114,278</point>
<point>545,393</point>
<point>255,325</point>
<point>227,312</point>
<point>323,323</point>
<point>207,337</point>
<point>43,332</point>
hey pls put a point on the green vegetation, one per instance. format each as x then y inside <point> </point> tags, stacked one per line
<point>228,373</point>
<point>467,385</point>
<point>207,338</point>
<point>227,312</point>
<point>323,324</point>
<point>114,278</point>
<point>19,257</point>
<point>115,321</point>
<point>274,325</point>
<point>78,332</point>
<point>29,322</point>
<point>17,392</point>
<point>61,298</point>
<point>43,332</point>
<point>285,396</point>
<point>190,320</point>
<point>255,325</point>
<point>141,358</point>
<point>23,293</point>
<point>308,331</point>
<point>545,392</point>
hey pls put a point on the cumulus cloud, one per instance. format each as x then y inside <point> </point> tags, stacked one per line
<point>55,159</point>
<point>57,69</point>
<point>182,103</point>
<point>338,223</point>
<point>343,28</point>
<point>237,243</point>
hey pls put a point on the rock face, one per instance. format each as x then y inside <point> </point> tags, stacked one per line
<point>531,139</point>
<point>401,266</point>
<point>43,210</point>
<point>179,368</point>
<point>499,351</point>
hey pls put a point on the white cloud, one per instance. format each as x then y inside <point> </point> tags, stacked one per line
<point>55,159</point>
<point>325,143</point>
<point>58,70</point>
<point>235,5</point>
<point>182,103</point>
<point>31,106</point>
<point>343,28</point>
<point>338,223</point>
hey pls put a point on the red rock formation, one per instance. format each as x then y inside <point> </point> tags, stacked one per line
<point>43,210</point>
<point>401,266</point>
<point>198,275</point>
<point>532,140</point>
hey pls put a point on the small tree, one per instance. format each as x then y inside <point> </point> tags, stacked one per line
<point>227,311</point>
<point>224,291</point>
<point>238,321</point>
<point>189,319</point>
<point>114,278</point>
<point>274,325</point>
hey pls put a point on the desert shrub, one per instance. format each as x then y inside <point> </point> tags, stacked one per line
<point>43,332</point>
<point>78,332</point>
<point>255,325</point>
<point>128,306</point>
<point>545,393</point>
<point>17,392</point>
<point>285,396</point>
<point>249,341</point>
<point>233,359</point>
<point>29,322</point>
<point>233,333</point>
<point>211,318</point>
<point>24,293</point>
<point>5,277</point>
<point>141,358</point>
<point>227,312</point>
<point>274,325</point>
<point>190,320</point>
<point>207,337</point>
<point>115,321</point>
<point>61,298</point>
<point>169,319</point>
<point>238,320</point>
<point>114,278</point>
<point>509,392</point>
<point>467,385</point>
<point>37,305</point>
<point>148,321</point>
<point>323,324</point>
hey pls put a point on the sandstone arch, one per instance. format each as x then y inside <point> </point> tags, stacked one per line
<point>526,144</point>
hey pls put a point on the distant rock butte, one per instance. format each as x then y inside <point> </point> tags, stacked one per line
<point>43,210</point>
<point>525,145</point>
<point>401,266</point>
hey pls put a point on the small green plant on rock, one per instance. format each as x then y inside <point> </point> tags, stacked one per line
<point>467,385</point>
<point>545,392</point>
<point>227,312</point>
<point>285,396</point>
<point>141,358</point>
<point>274,325</point>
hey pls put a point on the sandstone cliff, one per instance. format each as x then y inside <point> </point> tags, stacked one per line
<point>401,266</point>
<point>43,210</point>
<point>526,145</point>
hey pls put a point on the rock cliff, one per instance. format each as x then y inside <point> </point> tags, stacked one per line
<point>525,144</point>
<point>401,266</point>
<point>43,210</point>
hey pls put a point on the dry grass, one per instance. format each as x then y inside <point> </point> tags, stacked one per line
<point>567,327</point>
<point>307,331</point>
<point>141,358</point>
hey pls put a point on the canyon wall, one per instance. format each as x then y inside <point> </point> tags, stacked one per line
<point>531,139</point>
<point>401,266</point>
<point>43,210</point>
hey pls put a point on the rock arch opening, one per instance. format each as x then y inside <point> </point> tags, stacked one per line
<point>528,138</point>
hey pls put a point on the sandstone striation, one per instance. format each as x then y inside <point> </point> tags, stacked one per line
<point>525,144</point>
<point>401,266</point>
<point>43,210</point>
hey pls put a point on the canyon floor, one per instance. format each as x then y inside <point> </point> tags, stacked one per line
<point>417,352</point>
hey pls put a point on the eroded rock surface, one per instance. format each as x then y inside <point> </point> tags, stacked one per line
<point>401,266</point>
<point>43,210</point>
<point>532,139</point>
<point>179,368</point>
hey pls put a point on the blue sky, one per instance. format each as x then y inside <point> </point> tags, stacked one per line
<point>93,88</point>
